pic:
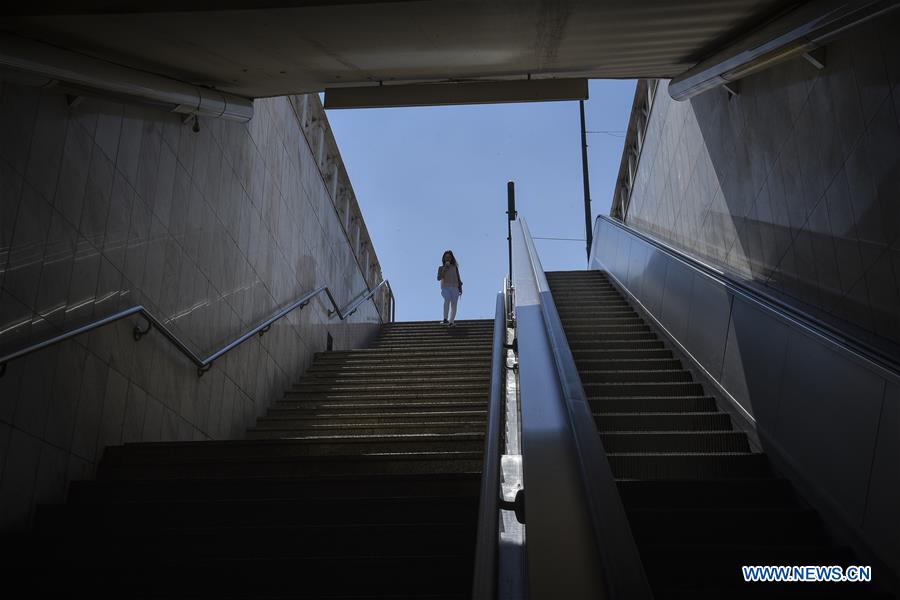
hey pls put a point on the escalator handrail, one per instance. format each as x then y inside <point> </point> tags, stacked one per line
<point>484,582</point>
<point>883,362</point>
<point>622,569</point>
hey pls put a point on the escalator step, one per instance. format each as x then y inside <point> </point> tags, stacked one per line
<point>634,376</point>
<point>676,441</point>
<point>741,526</point>
<point>599,354</point>
<point>717,494</point>
<point>670,389</point>
<point>628,364</point>
<point>658,466</point>
<point>651,404</point>
<point>708,421</point>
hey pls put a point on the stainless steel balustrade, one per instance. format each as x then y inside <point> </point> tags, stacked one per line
<point>824,406</point>
<point>204,364</point>
<point>867,352</point>
<point>579,542</point>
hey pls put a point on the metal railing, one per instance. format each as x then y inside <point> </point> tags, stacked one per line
<point>883,361</point>
<point>203,364</point>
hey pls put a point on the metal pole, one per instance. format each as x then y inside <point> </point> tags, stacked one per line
<point>588,231</point>
<point>511,216</point>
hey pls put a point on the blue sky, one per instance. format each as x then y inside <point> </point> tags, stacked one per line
<point>432,178</point>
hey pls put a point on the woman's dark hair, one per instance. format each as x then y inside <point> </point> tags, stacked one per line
<point>452,258</point>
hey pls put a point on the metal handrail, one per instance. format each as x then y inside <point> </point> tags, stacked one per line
<point>202,364</point>
<point>623,573</point>
<point>853,345</point>
<point>484,582</point>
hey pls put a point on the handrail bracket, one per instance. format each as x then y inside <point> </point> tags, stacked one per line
<point>516,505</point>
<point>138,333</point>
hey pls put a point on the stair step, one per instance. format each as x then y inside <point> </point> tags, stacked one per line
<point>354,375</point>
<point>388,368</point>
<point>330,486</point>
<point>306,446</point>
<point>675,441</point>
<point>708,525</point>
<point>602,321</point>
<point>580,294</point>
<point>651,404</point>
<point>411,363</point>
<point>178,548</point>
<point>636,376</point>
<point>444,333</point>
<point>235,514</point>
<point>433,349</point>
<point>375,388</point>
<point>694,494</point>
<point>374,577</point>
<point>417,324</point>
<point>588,353</point>
<point>601,329</point>
<point>606,344</point>
<point>576,273</point>
<point>376,405</point>
<point>288,428</point>
<point>591,336</point>
<point>688,466</point>
<point>662,421</point>
<point>447,339</point>
<point>565,283</point>
<point>570,289</point>
<point>628,364</point>
<point>581,310</point>
<point>397,355</point>
<point>372,381</point>
<point>437,325</point>
<point>590,305</point>
<point>371,418</point>
<point>300,466</point>
<point>674,388</point>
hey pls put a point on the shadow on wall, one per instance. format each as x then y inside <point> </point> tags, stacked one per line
<point>106,205</point>
<point>810,182</point>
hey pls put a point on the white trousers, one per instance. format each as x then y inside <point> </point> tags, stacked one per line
<point>451,297</point>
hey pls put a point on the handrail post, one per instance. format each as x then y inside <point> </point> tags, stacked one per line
<point>510,217</point>
<point>588,231</point>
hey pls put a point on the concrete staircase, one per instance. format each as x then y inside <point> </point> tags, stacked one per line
<point>700,501</point>
<point>361,482</point>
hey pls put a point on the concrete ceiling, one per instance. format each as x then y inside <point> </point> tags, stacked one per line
<point>272,48</point>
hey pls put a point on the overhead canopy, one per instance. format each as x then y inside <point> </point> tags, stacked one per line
<point>270,48</point>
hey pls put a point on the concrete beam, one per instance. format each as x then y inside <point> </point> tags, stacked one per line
<point>441,94</point>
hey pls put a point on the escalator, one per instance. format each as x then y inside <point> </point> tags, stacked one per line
<point>700,500</point>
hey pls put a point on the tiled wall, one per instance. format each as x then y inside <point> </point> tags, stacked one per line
<point>105,205</point>
<point>793,183</point>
